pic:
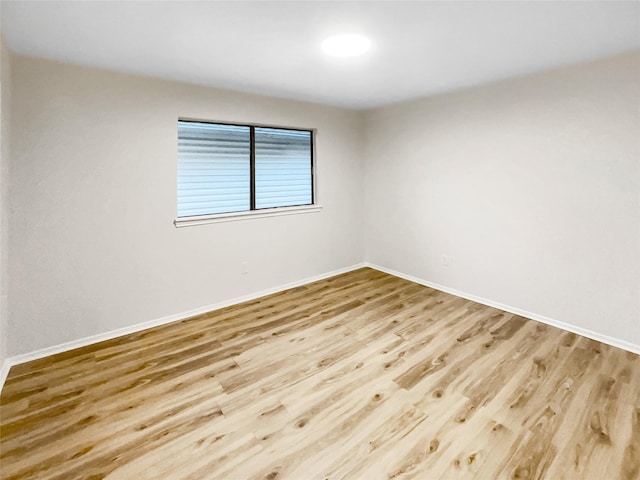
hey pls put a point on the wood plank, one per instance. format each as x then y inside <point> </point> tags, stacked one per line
<point>363,375</point>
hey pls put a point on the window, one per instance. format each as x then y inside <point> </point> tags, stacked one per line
<point>226,168</point>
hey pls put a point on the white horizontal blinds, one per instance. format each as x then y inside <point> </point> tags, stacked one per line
<point>213,168</point>
<point>282,167</point>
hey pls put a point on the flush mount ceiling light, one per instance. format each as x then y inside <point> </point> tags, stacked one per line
<point>346,45</point>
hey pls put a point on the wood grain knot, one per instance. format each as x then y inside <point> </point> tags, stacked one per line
<point>324,362</point>
<point>87,420</point>
<point>83,452</point>
<point>164,433</point>
<point>521,472</point>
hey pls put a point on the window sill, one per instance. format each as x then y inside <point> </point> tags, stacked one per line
<point>234,216</point>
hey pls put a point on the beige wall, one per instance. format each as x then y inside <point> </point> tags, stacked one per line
<point>93,245</point>
<point>5,97</point>
<point>530,187</point>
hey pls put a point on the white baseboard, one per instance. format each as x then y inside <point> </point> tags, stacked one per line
<point>83,342</point>
<point>614,342</point>
<point>4,371</point>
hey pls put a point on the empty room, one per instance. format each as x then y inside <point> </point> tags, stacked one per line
<point>320,240</point>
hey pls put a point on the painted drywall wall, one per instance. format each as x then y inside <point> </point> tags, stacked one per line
<point>5,109</point>
<point>528,187</point>
<point>93,245</point>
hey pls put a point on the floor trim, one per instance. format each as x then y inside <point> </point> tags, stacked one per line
<point>614,342</point>
<point>4,371</point>
<point>83,342</point>
<point>27,357</point>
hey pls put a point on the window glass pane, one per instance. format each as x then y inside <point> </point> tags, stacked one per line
<point>213,168</point>
<point>283,167</point>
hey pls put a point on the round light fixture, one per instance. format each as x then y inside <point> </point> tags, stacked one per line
<point>346,45</point>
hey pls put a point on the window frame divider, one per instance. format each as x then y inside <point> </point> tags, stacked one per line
<point>252,169</point>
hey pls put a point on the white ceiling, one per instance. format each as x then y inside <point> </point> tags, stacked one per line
<point>273,48</point>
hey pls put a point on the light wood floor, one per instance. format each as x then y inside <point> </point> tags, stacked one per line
<point>361,376</point>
